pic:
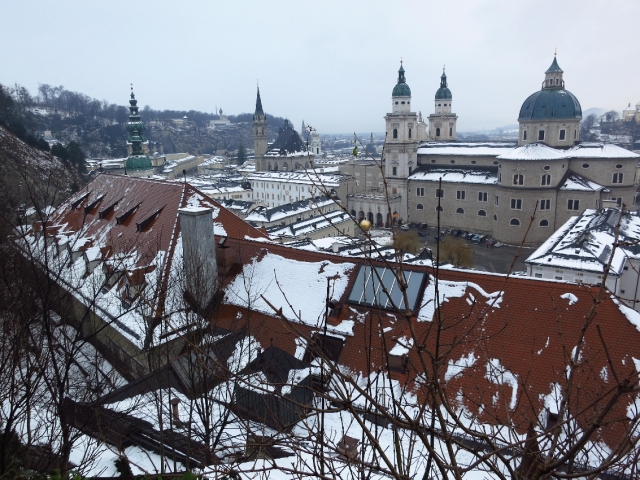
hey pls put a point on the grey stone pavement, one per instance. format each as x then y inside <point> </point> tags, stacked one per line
<point>495,260</point>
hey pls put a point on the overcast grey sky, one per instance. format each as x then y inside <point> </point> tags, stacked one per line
<point>331,63</point>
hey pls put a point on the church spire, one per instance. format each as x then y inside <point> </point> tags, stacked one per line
<point>137,160</point>
<point>443,79</point>
<point>259,110</point>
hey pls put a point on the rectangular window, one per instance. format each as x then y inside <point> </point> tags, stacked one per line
<point>524,135</point>
<point>563,134</point>
<point>482,196</point>
<point>516,204</point>
<point>409,133</point>
<point>420,191</point>
<point>394,171</point>
<point>546,179</point>
<point>461,194</point>
<point>439,193</point>
<point>617,200</point>
<point>573,204</point>
<point>410,170</point>
<point>538,275</point>
<point>540,134</point>
<point>518,179</point>
<point>617,177</point>
<point>545,204</point>
<point>497,200</point>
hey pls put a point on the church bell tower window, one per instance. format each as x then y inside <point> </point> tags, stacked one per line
<point>395,133</point>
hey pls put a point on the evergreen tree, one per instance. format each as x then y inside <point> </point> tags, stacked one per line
<point>241,157</point>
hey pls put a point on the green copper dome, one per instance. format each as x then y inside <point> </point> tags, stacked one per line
<point>401,89</point>
<point>443,92</point>
<point>551,104</point>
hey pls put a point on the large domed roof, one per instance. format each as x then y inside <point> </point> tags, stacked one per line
<point>401,89</point>
<point>551,104</point>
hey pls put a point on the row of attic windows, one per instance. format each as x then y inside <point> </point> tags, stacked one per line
<point>516,204</point>
<point>121,219</point>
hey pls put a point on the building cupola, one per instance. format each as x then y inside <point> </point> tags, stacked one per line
<point>401,95</point>
<point>553,75</point>
<point>443,96</point>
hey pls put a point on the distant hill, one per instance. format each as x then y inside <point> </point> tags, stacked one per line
<point>31,180</point>
<point>595,110</point>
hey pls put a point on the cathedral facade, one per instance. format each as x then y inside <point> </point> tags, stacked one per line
<point>514,193</point>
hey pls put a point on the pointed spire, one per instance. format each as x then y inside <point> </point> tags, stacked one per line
<point>554,66</point>
<point>259,104</point>
<point>443,79</point>
<point>401,78</point>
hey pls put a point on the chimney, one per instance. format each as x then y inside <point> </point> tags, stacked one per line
<point>175,409</point>
<point>199,253</point>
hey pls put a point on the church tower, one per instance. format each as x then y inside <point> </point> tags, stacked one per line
<point>401,143</point>
<point>260,141</point>
<point>442,123</point>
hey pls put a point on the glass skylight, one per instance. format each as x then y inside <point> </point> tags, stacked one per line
<point>371,283</point>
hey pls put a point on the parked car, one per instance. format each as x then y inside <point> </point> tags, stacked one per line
<point>498,244</point>
<point>456,233</point>
<point>479,238</point>
<point>422,234</point>
<point>404,227</point>
<point>439,238</point>
<point>423,225</point>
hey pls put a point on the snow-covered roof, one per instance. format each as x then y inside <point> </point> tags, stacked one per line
<point>534,151</point>
<point>456,175</point>
<point>579,183</point>
<point>585,242</point>
<point>600,150</point>
<point>267,215</point>
<point>308,178</point>
<point>487,149</point>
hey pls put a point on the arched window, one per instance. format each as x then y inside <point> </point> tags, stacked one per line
<point>409,133</point>
<point>285,167</point>
<point>353,213</point>
<point>482,213</point>
<point>275,167</point>
<point>514,221</point>
<point>297,166</point>
<point>395,133</point>
<point>360,216</point>
<point>438,209</point>
<point>437,132</point>
<point>544,223</point>
<point>370,217</point>
<point>269,167</point>
<point>306,164</point>
<point>450,131</point>
<point>524,135</point>
<point>460,210</point>
<point>419,207</point>
<point>378,219</point>
<point>546,179</point>
<point>557,81</point>
<point>495,218</point>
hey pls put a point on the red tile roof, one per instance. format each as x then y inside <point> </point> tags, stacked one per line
<point>530,333</point>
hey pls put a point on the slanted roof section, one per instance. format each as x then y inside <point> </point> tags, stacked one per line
<point>287,143</point>
<point>585,242</point>
<point>578,183</point>
<point>554,67</point>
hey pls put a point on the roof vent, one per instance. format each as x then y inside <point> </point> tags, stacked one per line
<point>142,226</point>
<point>93,204</point>
<point>103,213</point>
<point>77,202</point>
<point>126,215</point>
